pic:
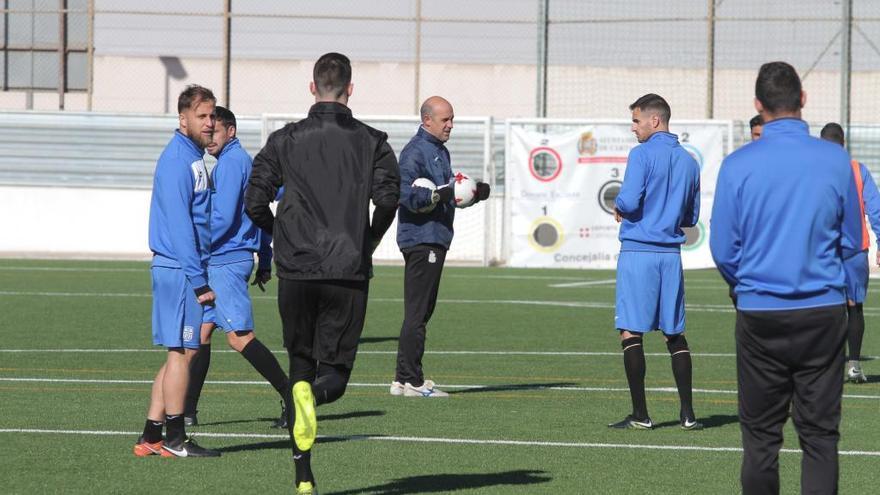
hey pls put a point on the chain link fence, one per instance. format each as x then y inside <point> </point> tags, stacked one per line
<point>499,58</point>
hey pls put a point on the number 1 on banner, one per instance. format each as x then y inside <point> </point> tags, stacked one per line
<point>544,209</point>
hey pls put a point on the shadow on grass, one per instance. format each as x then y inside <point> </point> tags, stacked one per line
<point>714,421</point>
<point>285,444</point>
<point>269,421</point>
<point>871,379</point>
<point>511,387</point>
<point>350,415</point>
<point>235,422</point>
<point>434,483</point>
<point>376,340</point>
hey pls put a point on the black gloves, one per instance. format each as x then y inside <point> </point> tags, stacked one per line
<point>262,277</point>
<point>444,194</point>
<point>483,190</point>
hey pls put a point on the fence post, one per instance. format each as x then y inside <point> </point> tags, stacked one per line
<point>710,63</point>
<point>417,63</point>
<point>62,52</point>
<point>227,50</point>
<point>846,69</point>
<point>543,21</point>
<point>90,55</point>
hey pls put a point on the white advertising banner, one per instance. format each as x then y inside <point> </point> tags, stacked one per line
<point>561,188</point>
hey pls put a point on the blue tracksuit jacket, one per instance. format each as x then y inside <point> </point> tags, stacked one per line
<point>659,196</point>
<point>785,216</point>
<point>180,208</point>
<point>424,156</point>
<point>234,237</point>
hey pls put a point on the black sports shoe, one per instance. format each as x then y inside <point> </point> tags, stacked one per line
<point>283,420</point>
<point>690,424</point>
<point>188,448</point>
<point>190,419</point>
<point>631,423</point>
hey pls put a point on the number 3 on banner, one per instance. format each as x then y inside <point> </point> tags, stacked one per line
<point>615,173</point>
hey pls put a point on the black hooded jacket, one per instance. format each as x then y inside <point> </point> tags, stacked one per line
<point>331,165</point>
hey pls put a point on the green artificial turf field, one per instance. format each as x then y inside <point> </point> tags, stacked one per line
<point>530,358</point>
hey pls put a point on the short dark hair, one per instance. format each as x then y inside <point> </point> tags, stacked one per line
<point>653,102</point>
<point>755,121</point>
<point>332,74</point>
<point>778,87</point>
<point>832,132</point>
<point>192,96</point>
<point>226,116</point>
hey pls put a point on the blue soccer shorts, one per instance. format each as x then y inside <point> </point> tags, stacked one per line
<point>232,311</point>
<point>177,314</point>
<point>857,272</point>
<point>650,292</point>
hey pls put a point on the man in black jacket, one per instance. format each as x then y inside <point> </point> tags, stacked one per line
<point>331,165</point>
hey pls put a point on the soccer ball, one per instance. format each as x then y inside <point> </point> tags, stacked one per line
<point>427,184</point>
<point>465,190</point>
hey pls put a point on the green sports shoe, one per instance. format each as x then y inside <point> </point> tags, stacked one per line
<point>305,425</point>
<point>306,488</point>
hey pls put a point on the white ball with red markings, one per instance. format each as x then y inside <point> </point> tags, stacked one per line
<point>427,184</point>
<point>465,190</point>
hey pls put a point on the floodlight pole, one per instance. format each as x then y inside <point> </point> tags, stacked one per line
<point>846,70</point>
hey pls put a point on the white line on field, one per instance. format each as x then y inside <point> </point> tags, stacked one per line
<point>584,283</point>
<point>144,270</point>
<point>441,440</point>
<point>705,308</point>
<point>385,353</point>
<point>497,387</point>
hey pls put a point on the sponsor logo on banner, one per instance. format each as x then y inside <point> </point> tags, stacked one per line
<point>545,164</point>
<point>587,144</point>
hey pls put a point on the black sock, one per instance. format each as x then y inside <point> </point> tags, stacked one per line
<point>634,364</point>
<point>265,363</point>
<point>174,430</point>
<point>682,370</point>
<point>198,370</point>
<point>153,431</point>
<point>302,461</point>
<point>330,383</point>
<point>855,331</point>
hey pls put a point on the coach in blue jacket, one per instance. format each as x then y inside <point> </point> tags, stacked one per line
<point>785,216</point>
<point>424,233</point>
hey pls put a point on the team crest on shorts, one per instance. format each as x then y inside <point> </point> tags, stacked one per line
<point>187,333</point>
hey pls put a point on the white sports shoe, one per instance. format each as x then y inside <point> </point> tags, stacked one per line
<point>427,389</point>
<point>854,374</point>
<point>396,388</point>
